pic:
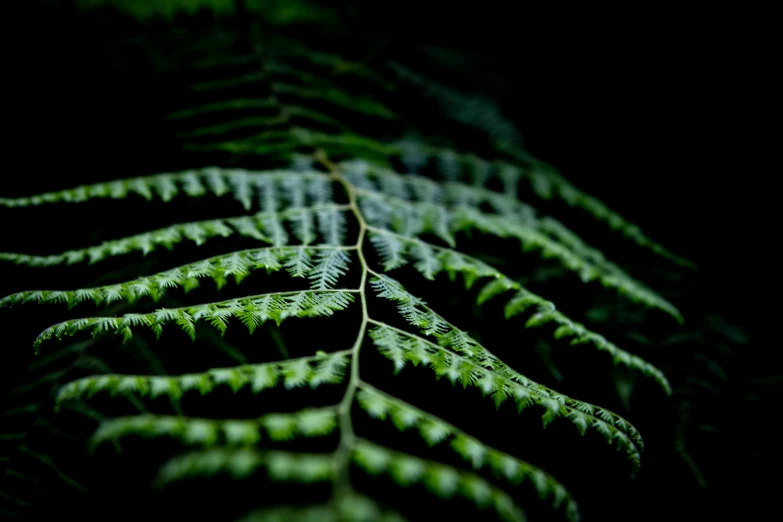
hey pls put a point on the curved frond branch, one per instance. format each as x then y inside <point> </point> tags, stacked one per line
<point>544,182</point>
<point>13,499</point>
<point>52,466</point>
<point>476,112</point>
<point>501,384</point>
<point>251,311</point>
<point>540,178</point>
<point>442,480</point>
<point>448,336</point>
<point>285,141</point>
<point>411,187</point>
<point>323,264</point>
<point>545,313</point>
<point>312,371</point>
<point>396,250</point>
<point>356,103</point>
<point>264,226</point>
<point>378,182</point>
<point>240,462</point>
<point>273,188</point>
<point>286,114</point>
<point>306,89</point>
<point>387,183</point>
<point>309,422</point>
<point>434,431</point>
<point>324,62</point>
<point>414,219</point>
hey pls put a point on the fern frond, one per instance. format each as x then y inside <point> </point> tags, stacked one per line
<point>543,181</point>
<point>46,461</point>
<point>294,87</point>
<point>297,214</point>
<point>241,461</point>
<point>503,384</point>
<point>287,115</point>
<point>441,479</point>
<point>332,262</point>
<point>311,422</point>
<point>472,111</point>
<point>234,125</point>
<point>414,219</point>
<point>410,187</point>
<point>472,269</point>
<point>276,142</point>
<point>359,104</point>
<point>456,194</point>
<point>252,311</point>
<point>312,371</point>
<point>265,226</point>
<point>435,431</point>
<point>241,184</point>
<point>309,58</point>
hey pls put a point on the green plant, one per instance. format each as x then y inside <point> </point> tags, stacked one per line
<point>339,206</point>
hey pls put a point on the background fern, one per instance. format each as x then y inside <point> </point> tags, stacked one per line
<point>551,366</point>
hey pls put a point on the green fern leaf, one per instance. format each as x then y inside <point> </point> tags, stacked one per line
<point>407,205</point>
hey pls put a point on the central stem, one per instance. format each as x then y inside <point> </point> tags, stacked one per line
<point>342,458</point>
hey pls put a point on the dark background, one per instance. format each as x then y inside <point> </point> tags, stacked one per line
<point>646,109</point>
<point>649,110</point>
